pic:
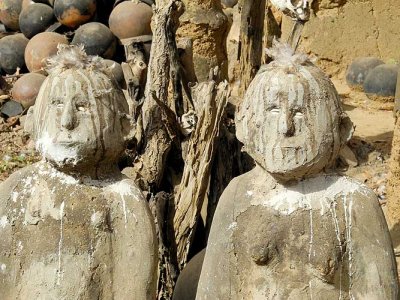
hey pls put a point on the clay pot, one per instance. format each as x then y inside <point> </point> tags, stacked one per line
<point>73,13</point>
<point>97,39</point>
<point>35,19</point>
<point>359,69</point>
<point>48,2</point>
<point>229,3</point>
<point>380,83</point>
<point>103,11</point>
<point>26,3</point>
<point>12,50</point>
<point>188,280</point>
<point>26,88</point>
<point>40,47</point>
<point>9,13</point>
<point>130,19</point>
<point>116,71</point>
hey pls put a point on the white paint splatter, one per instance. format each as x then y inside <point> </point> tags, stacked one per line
<point>3,221</point>
<point>309,195</point>
<point>27,181</point>
<point>125,188</point>
<point>336,224</point>
<point>232,226</point>
<point>95,218</point>
<point>20,247</point>
<point>57,152</point>
<point>348,206</point>
<point>288,202</point>
<point>64,178</point>
<point>249,193</point>
<point>59,271</point>
<point>311,236</point>
<point>90,254</point>
<point>3,268</point>
<point>14,196</point>
<point>124,208</point>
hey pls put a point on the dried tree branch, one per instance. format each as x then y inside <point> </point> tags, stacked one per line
<point>251,37</point>
<point>192,190</point>
<point>158,125</point>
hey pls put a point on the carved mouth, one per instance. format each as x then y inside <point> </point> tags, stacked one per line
<point>67,143</point>
<point>288,147</point>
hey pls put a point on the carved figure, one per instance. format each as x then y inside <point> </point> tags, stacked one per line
<point>71,226</point>
<point>296,9</point>
<point>288,229</point>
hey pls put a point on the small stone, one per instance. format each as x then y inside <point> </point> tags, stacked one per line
<point>359,69</point>
<point>26,88</point>
<point>229,3</point>
<point>381,81</point>
<point>11,109</point>
<point>348,157</point>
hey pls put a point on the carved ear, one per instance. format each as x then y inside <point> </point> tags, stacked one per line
<point>28,127</point>
<point>346,128</point>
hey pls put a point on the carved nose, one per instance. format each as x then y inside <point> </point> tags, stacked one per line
<point>286,126</point>
<point>68,120</point>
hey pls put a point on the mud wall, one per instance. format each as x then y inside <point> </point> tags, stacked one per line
<point>341,30</point>
<point>206,24</point>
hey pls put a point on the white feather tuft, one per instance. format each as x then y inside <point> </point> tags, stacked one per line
<point>73,56</point>
<point>284,55</point>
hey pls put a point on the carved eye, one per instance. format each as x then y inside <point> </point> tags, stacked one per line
<point>81,105</point>
<point>275,110</point>
<point>57,101</point>
<point>298,114</point>
<point>80,108</point>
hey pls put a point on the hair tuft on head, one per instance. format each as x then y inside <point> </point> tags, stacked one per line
<point>283,55</point>
<point>72,56</point>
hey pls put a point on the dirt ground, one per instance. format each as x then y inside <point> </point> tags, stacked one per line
<point>16,150</point>
<point>372,138</point>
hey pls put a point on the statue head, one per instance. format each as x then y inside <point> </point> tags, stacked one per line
<point>291,121</point>
<point>80,115</point>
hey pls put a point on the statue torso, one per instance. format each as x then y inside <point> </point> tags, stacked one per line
<point>59,235</point>
<point>287,241</point>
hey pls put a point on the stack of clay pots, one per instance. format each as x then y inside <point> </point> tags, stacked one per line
<point>34,28</point>
<point>374,77</point>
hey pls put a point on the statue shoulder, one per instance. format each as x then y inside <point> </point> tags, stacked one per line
<point>125,188</point>
<point>127,200</point>
<point>360,195</point>
<point>8,185</point>
<point>239,192</point>
<point>348,185</point>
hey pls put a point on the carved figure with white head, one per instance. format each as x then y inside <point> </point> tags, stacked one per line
<point>290,228</point>
<point>71,226</point>
<point>291,121</point>
<point>80,119</point>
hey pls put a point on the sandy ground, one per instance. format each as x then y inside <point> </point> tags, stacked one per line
<point>372,138</point>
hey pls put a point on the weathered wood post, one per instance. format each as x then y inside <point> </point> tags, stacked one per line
<point>251,40</point>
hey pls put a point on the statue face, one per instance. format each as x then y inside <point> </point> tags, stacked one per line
<point>291,125</point>
<point>78,119</point>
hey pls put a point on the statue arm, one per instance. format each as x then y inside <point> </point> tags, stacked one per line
<point>215,280</point>
<point>134,247</point>
<point>6,248</point>
<point>372,266</point>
